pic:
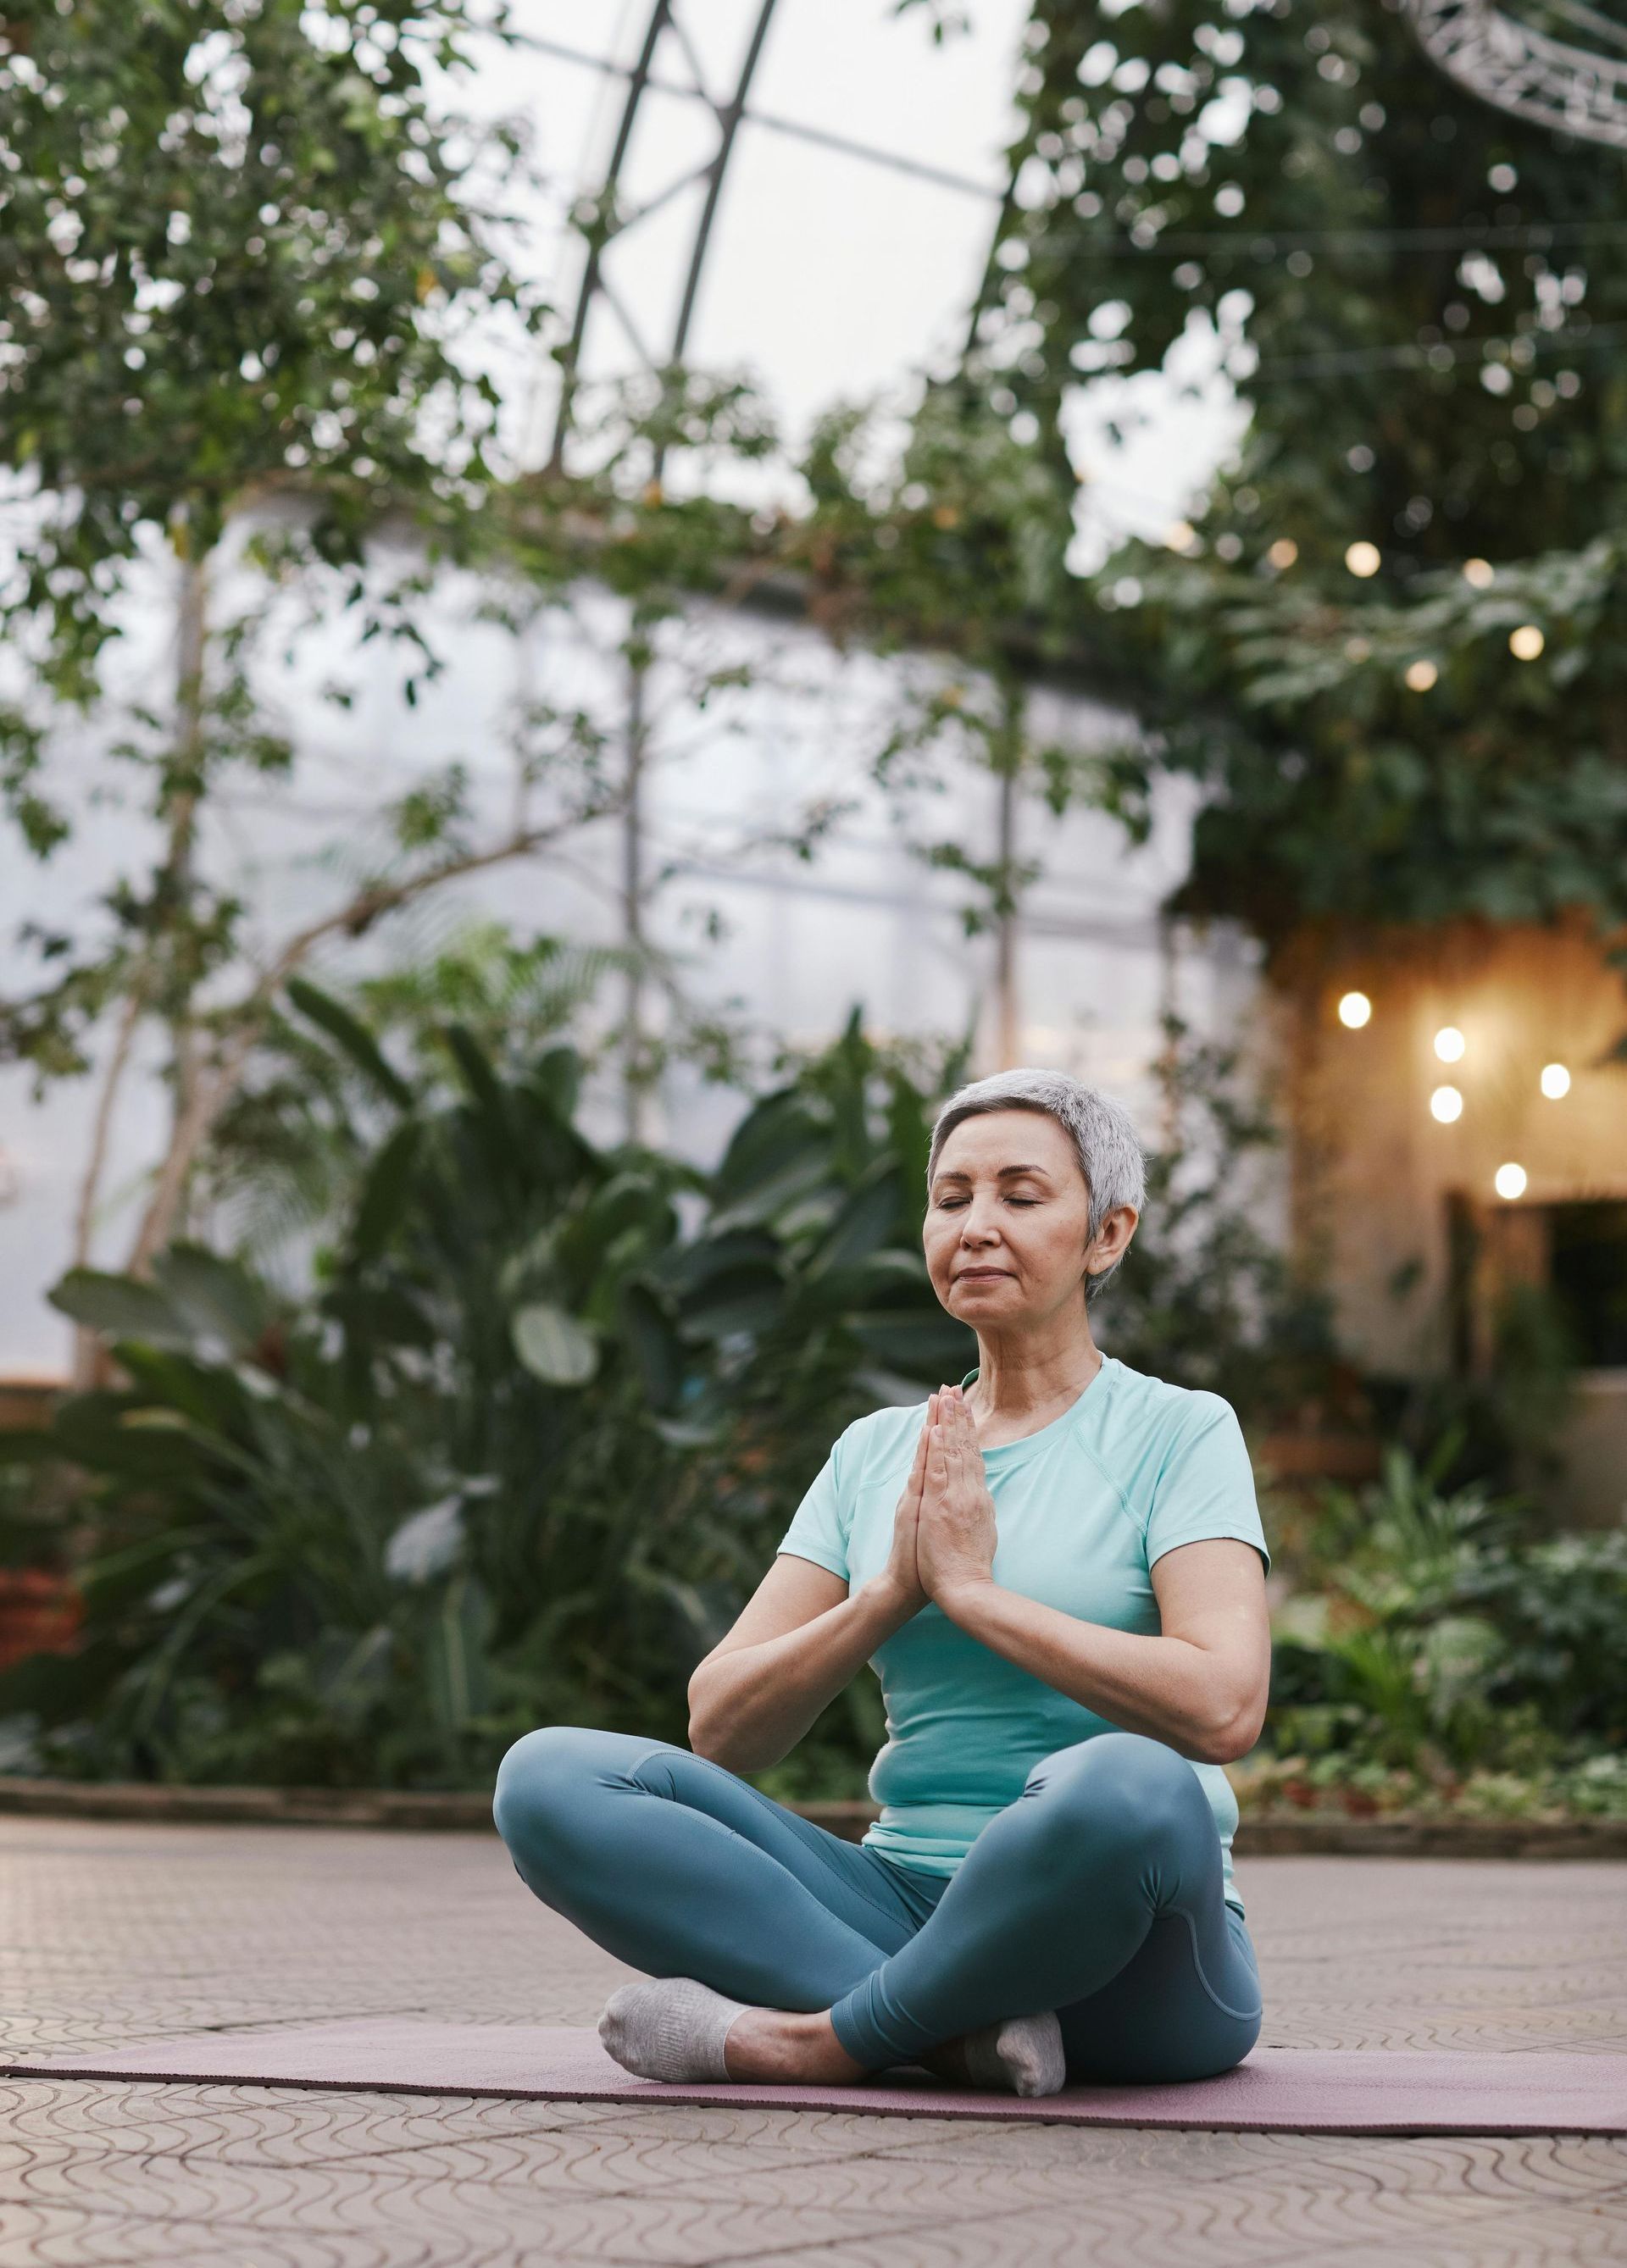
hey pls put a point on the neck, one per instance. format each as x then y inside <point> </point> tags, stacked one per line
<point>1019,1373</point>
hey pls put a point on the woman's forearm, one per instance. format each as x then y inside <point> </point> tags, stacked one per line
<point>749,1706</point>
<point>1193,1699</point>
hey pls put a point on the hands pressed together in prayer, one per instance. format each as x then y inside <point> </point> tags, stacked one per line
<point>944,1528</point>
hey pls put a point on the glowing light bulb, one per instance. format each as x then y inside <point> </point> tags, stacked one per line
<point>1450,1045</point>
<point>1510,1182</point>
<point>1480,574</point>
<point>1447,1104</point>
<point>1180,535</point>
<point>1355,1010</point>
<point>1421,675</point>
<point>1283,552</point>
<point>1556,1081</point>
<point>1363,559</point>
<point>1527,642</point>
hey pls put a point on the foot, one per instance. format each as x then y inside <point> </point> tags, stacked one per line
<point>785,2050</point>
<point>1022,2056</point>
<point>672,2028</point>
<point>669,2028</point>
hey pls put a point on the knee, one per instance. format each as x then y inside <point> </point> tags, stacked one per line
<point>541,1784</point>
<point>1117,1794</point>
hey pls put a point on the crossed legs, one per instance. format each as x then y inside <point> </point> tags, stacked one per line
<point>1096,1895</point>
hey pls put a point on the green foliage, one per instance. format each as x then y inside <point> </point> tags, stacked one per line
<point>1415,296</point>
<point>1438,1635</point>
<point>238,251</point>
<point>243,255</point>
<point>518,1456</point>
<point>1206,1298</point>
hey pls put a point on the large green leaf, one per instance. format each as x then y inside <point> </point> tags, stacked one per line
<point>699,1263</point>
<point>922,1346</point>
<point>777,1148</point>
<point>120,1307</point>
<point>216,1295</point>
<point>554,1345</point>
<point>207,1393</point>
<point>352,1036</point>
<point>630,1215</point>
<point>866,1222</point>
<point>385,1190</point>
<point>652,1341</point>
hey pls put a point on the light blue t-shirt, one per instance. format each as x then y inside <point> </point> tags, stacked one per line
<point>1084,1508</point>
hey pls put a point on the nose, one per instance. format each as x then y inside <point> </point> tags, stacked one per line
<point>978,1224</point>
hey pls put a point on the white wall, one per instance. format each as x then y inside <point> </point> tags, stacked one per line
<point>865,923</point>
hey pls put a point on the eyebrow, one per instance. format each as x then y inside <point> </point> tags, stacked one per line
<point>1006,1173</point>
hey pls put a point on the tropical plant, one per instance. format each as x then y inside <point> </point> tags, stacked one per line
<point>1437,1631</point>
<point>519,1454</point>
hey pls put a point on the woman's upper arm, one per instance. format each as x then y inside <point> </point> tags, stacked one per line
<point>1213,1595</point>
<point>793,1592</point>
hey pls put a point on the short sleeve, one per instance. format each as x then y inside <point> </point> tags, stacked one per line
<point>818,1528</point>
<point>1206,1487</point>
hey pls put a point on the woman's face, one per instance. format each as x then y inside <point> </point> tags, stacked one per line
<point>1007,1229</point>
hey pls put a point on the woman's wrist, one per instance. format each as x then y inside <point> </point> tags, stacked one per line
<point>889,1599</point>
<point>964,1594</point>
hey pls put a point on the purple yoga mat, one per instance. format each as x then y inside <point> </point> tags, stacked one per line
<point>1291,2090</point>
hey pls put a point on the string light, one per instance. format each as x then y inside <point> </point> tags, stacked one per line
<point>1527,642</point>
<point>1363,559</point>
<point>1283,552</point>
<point>1447,1104</point>
<point>1450,1045</point>
<point>1355,1010</point>
<point>1510,1182</point>
<point>1421,675</point>
<point>1180,535</point>
<point>1480,573</point>
<point>1556,1081</point>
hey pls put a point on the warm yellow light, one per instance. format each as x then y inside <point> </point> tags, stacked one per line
<point>1510,1182</point>
<point>1479,572</point>
<point>1363,559</point>
<point>1556,1081</point>
<point>1355,1010</point>
<point>1283,552</point>
<point>1421,675</point>
<point>1446,1104</point>
<point>1450,1043</point>
<point>1180,535</point>
<point>1527,642</point>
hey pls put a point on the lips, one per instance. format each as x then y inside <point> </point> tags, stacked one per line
<point>982,1275</point>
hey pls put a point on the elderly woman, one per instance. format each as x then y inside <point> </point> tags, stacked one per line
<point>1056,1570</point>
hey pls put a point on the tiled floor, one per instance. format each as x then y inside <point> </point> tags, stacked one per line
<point>111,1933</point>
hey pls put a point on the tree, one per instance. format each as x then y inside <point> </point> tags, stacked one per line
<point>244,252</point>
<point>1416,297</point>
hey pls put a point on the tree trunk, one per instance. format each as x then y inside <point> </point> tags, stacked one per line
<point>1007,1001</point>
<point>634,1098</point>
<point>173,905</point>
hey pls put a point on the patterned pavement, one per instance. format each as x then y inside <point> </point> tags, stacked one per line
<point>112,1932</point>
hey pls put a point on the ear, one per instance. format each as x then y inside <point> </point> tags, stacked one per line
<point>1111,1239</point>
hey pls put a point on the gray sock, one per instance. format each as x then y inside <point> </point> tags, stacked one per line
<point>669,2028</point>
<point>1022,2056</point>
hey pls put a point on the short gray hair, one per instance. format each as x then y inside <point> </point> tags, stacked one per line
<point>1102,1132</point>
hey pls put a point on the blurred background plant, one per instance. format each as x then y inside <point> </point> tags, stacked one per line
<point>1438,1647</point>
<point>510,1433</point>
<point>516,1450</point>
<point>426,1409</point>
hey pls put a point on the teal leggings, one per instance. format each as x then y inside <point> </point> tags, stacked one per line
<point>1097,1893</point>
